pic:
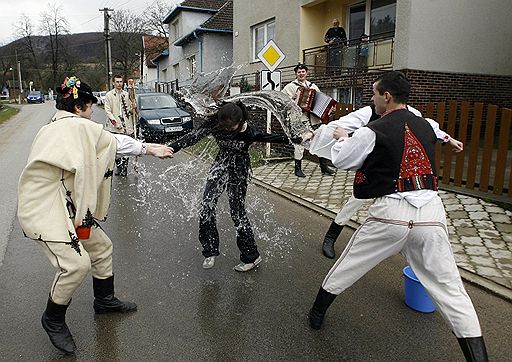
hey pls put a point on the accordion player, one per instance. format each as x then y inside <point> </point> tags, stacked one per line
<point>317,103</point>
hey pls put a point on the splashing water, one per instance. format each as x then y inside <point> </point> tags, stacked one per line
<point>184,181</point>
<point>206,93</point>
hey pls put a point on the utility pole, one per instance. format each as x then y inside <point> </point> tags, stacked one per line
<point>19,77</point>
<point>108,55</point>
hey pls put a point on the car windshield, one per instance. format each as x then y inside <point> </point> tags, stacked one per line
<point>157,101</point>
<point>34,93</point>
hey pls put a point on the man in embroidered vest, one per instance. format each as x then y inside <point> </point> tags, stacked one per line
<point>292,89</point>
<point>118,108</point>
<point>63,192</point>
<point>394,159</point>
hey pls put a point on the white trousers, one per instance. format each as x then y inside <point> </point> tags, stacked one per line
<point>72,268</point>
<point>298,152</point>
<point>348,210</point>
<point>419,234</point>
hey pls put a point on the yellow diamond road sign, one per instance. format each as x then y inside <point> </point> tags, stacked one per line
<point>271,55</point>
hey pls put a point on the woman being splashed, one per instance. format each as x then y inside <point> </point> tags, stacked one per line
<point>230,171</point>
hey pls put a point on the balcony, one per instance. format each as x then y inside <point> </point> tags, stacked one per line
<point>350,57</point>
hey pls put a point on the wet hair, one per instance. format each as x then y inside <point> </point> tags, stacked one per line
<point>300,66</point>
<point>232,116</point>
<point>396,84</point>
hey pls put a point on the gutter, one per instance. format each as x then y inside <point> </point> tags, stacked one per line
<point>200,45</point>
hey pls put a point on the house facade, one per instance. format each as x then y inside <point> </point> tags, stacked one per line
<point>200,40</point>
<point>456,49</point>
<point>153,47</point>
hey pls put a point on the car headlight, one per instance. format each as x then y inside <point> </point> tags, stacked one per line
<point>153,121</point>
<point>186,119</point>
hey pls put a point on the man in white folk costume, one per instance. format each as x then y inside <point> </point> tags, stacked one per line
<point>63,192</point>
<point>395,163</point>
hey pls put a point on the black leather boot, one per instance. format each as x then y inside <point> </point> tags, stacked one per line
<point>54,323</point>
<point>330,238</point>
<point>298,169</point>
<point>324,167</point>
<point>104,299</point>
<point>474,349</point>
<point>121,166</point>
<point>317,312</point>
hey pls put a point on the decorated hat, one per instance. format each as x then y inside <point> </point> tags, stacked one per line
<point>73,87</point>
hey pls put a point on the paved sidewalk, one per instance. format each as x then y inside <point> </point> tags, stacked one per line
<point>480,231</point>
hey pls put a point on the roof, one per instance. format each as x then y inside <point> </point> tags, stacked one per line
<point>163,54</point>
<point>153,47</point>
<point>221,22</point>
<point>208,6</point>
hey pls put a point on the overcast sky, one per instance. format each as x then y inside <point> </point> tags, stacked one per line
<point>82,16</point>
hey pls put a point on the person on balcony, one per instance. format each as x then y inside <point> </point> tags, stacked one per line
<point>293,90</point>
<point>395,162</point>
<point>335,38</point>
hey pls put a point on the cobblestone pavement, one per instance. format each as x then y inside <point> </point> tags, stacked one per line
<point>480,231</point>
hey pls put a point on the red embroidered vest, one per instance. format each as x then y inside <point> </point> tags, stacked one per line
<point>403,158</point>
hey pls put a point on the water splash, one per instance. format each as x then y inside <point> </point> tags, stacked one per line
<point>207,91</point>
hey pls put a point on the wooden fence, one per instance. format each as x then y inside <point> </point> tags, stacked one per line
<point>484,167</point>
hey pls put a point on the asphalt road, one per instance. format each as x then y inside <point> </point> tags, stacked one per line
<point>190,314</point>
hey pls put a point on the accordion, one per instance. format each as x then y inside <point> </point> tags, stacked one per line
<point>318,103</point>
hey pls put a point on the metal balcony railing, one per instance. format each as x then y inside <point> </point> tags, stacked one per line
<point>336,59</point>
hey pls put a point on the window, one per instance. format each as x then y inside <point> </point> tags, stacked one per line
<point>176,29</point>
<point>192,66</point>
<point>261,34</point>
<point>176,70</point>
<point>373,17</point>
<point>383,17</point>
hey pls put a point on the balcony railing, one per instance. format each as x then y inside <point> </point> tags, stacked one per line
<point>337,59</point>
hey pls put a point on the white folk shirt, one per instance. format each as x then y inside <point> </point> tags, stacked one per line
<point>349,153</point>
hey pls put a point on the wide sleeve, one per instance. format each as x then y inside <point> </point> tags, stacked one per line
<point>350,153</point>
<point>108,106</point>
<point>353,121</point>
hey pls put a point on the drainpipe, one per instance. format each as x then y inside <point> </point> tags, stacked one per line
<point>200,45</point>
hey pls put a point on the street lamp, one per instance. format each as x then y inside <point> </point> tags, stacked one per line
<point>12,71</point>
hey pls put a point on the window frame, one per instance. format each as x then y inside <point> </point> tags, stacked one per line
<point>263,25</point>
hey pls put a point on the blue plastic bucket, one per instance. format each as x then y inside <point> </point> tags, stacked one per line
<point>416,297</point>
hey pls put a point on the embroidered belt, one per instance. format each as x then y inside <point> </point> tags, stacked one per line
<point>410,224</point>
<point>414,183</point>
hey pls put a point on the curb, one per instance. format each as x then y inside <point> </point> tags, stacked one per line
<point>472,278</point>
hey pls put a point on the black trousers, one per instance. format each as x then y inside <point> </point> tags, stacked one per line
<point>234,180</point>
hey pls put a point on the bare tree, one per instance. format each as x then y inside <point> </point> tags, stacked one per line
<point>155,14</point>
<point>23,28</point>
<point>127,30</point>
<point>55,25</point>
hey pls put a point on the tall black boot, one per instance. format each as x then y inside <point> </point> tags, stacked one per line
<point>104,299</point>
<point>54,323</point>
<point>119,166</point>
<point>124,164</point>
<point>317,312</point>
<point>324,167</point>
<point>474,349</point>
<point>330,238</point>
<point>298,169</point>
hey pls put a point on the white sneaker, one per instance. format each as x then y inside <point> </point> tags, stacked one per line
<point>243,267</point>
<point>209,262</point>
